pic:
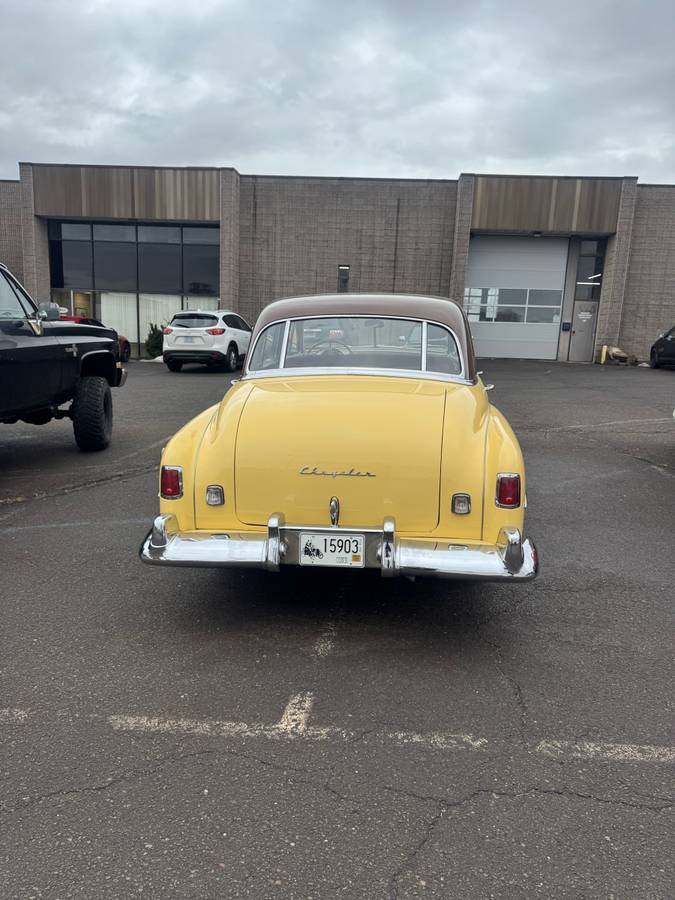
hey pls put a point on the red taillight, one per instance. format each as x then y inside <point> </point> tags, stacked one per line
<point>167,330</point>
<point>508,491</point>
<point>215,331</point>
<point>171,482</point>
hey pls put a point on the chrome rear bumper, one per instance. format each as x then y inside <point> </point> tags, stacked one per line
<point>510,559</point>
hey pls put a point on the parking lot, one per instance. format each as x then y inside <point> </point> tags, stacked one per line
<point>194,733</point>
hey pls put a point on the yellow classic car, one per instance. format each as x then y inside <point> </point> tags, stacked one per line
<point>359,436</point>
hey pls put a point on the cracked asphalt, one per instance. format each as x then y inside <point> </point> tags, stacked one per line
<point>583,655</point>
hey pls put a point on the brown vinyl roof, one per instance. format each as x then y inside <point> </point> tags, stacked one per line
<point>416,306</point>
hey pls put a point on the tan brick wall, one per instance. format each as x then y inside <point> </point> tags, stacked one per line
<point>649,298</point>
<point>34,239</point>
<point>294,232</point>
<point>462,236</point>
<point>229,239</point>
<point>610,310</point>
<point>11,248</point>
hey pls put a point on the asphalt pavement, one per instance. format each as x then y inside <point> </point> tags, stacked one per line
<point>200,734</point>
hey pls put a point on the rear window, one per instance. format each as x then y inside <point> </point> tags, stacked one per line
<point>370,343</point>
<point>358,342</point>
<point>194,320</point>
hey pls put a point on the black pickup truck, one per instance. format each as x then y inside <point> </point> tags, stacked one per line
<point>46,363</point>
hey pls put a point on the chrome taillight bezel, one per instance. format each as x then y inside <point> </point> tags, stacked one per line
<point>179,470</point>
<point>501,476</point>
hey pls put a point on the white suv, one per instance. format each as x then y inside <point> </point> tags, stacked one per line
<point>216,337</point>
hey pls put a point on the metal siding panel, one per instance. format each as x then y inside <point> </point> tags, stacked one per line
<point>525,203</point>
<point>57,191</point>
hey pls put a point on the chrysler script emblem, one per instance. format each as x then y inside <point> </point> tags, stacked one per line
<point>336,473</point>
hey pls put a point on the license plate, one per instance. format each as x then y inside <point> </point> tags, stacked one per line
<point>325,549</point>
<point>188,340</point>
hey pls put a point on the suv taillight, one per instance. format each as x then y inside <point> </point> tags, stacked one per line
<point>167,330</point>
<point>171,482</point>
<point>215,331</point>
<point>508,490</point>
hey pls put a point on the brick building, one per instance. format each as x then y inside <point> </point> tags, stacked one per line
<point>546,267</point>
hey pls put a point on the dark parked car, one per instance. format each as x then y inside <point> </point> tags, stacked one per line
<point>47,364</point>
<point>125,346</point>
<point>663,350</point>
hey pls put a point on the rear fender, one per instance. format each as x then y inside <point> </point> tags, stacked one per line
<point>502,454</point>
<point>182,450</point>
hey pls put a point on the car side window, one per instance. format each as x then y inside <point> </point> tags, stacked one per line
<point>267,352</point>
<point>11,305</point>
<point>230,321</point>
<point>243,326</point>
<point>442,352</point>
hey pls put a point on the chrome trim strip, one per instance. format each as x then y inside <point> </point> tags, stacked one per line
<point>510,559</point>
<point>423,361</point>
<point>284,343</point>
<point>414,374</point>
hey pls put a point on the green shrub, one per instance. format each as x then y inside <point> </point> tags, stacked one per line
<point>153,342</point>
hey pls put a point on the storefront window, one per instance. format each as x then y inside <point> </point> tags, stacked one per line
<point>200,269</point>
<point>200,235</point>
<point>115,233</point>
<point>159,234</point>
<point>162,259</point>
<point>133,274</point>
<point>159,268</point>
<point>76,261</point>
<point>114,266</point>
<point>118,311</point>
<point>156,309</point>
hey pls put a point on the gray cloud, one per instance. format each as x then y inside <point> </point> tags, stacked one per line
<point>387,88</point>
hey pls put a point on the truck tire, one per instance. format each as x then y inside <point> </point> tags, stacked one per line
<point>92,413</point>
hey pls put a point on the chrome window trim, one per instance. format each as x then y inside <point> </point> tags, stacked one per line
<point>322,370</point>
<point>284,344</point>
<point>251,350</point>
<point>416,374</point>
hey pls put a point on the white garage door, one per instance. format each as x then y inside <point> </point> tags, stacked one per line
<point>513,295</point>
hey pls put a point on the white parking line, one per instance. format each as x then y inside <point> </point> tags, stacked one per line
<point>440,740</point>
<point>108,523</point>
<point>324,644</point>
<point>13,716</point>
<point>294,724</point>
<point>607,424</point>
<point>620,752</point>
<point>296,714</point>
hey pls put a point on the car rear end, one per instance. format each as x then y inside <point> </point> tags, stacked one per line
<point>359,441</point>
<point>195,337</point>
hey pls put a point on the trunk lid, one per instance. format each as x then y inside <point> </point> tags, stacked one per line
<point>375,443</point>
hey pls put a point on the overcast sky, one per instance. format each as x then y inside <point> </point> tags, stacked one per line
<point>386,88</point>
